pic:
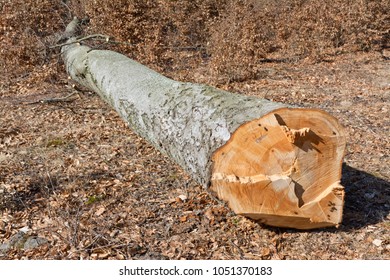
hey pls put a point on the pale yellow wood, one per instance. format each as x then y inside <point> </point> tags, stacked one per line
<point>284,169</point>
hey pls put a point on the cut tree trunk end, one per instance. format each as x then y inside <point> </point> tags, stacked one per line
<point>284,169</point>
<point>272,163</point>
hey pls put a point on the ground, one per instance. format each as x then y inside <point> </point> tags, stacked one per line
<point>77,183</point>
<point>73,173</point>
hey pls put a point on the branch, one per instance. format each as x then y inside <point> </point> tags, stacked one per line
<point>107,38</point>
<point>53,100</point>
<point>67,7</point>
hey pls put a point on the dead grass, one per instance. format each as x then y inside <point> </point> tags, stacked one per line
<point>76,175</point>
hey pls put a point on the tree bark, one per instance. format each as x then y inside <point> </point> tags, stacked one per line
<point>272,163</point>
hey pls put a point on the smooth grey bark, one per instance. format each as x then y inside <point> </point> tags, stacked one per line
<point>186,121</point>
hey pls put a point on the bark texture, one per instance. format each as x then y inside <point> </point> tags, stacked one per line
<point>186,121</point>
<point>272,163</point>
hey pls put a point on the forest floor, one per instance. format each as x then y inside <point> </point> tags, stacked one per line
<point>76,178</point>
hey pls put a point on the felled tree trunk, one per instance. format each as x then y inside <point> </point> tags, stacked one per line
<point>272,163</point>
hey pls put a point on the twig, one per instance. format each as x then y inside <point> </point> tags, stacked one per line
<point>67,7</point>
<point>53,100</point>
<point>238,249</point>
<point>107,38</point>
<point>117,42</point>
<point>51,182</point>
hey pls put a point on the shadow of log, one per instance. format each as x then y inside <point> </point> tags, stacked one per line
<point>367,198</point>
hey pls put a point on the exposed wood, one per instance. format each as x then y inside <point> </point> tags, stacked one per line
<point>284,169</point>
<point>272,163</point>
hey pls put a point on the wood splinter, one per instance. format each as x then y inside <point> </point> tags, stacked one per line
<point>293,135</point>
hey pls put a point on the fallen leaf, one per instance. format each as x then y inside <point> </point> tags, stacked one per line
<point>100,211</point>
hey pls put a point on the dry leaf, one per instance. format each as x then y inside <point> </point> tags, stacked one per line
<point>100,211</point>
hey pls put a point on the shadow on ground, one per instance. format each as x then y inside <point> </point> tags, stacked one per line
<point>367,198</point>
<point>40,187</point>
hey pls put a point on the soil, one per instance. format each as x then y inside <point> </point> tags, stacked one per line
<point>74,173</point>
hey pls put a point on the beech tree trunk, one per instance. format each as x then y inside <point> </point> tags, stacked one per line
<point>272,163</point>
